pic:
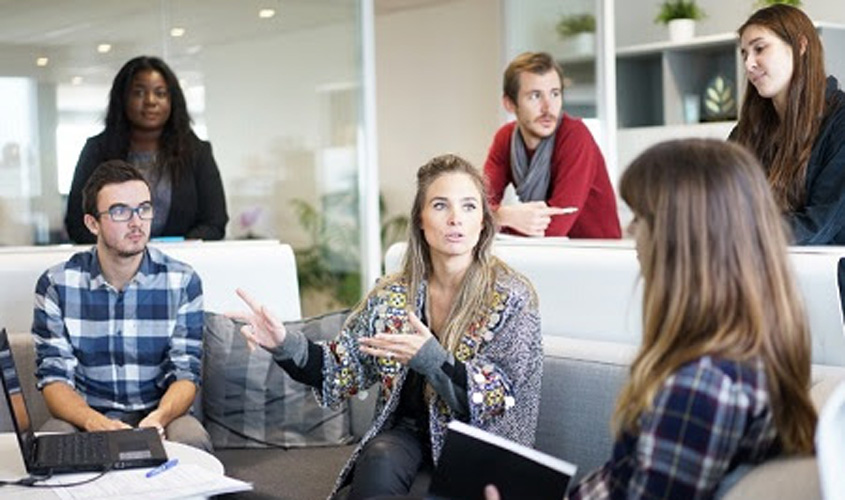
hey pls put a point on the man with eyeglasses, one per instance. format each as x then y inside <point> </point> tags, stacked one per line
<point>118,328</point>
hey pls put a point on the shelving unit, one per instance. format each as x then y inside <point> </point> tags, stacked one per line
<point>580,97</point>
<point>653,79</point>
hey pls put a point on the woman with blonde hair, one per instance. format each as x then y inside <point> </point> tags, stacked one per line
<point>723,373</point>
<point>454,335</point>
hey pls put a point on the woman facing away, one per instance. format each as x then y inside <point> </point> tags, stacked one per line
<point>793,120</point>
<point>723,374</point>
<point>454,335</point>
<point>147,124</point>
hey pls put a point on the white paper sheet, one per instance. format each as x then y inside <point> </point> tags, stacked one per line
<point>184,480</point>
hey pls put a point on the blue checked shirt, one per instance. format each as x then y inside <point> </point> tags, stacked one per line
<point>119,350</point>
<point>710,416</point>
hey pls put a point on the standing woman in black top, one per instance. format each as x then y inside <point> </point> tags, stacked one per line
<point>147,124</point>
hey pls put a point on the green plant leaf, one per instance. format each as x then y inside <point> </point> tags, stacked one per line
<point>572,25</point>
<point>679,9</point>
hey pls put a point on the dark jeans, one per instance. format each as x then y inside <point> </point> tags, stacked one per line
<point>389,463</point>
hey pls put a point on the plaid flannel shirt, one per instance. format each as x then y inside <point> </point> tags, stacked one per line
<point>119,349</point>
<point>708,417</point>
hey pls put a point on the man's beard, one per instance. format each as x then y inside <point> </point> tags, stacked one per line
<point>124,254</point>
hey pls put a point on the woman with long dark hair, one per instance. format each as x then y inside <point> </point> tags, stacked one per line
<point>147,124</point>
<point>793,120</point>
<point>454,335</point>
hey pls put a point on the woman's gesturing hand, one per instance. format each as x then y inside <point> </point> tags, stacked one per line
<point>262,327</point>
<point>397,346</point>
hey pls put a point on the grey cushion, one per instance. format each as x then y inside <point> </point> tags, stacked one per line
<point>250,402</point>
<point>578,397</point>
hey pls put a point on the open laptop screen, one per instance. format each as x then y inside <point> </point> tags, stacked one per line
<point>15,399</point>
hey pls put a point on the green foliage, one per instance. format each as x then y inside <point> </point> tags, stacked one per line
<point>679,9</point>
<point>331,263</point>
<point>759,4</point>
<point>569,26</point>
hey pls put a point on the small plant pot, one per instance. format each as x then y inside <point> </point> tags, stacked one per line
<point>681,30</point>
<point>582,44</point>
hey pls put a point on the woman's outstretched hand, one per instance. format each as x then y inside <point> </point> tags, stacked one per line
<point>262,327</point>
<point>397,346</point>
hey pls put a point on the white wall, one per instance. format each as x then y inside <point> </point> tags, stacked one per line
<point>438,88</point>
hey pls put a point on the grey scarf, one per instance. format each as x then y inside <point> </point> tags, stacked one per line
<point>531,180</point>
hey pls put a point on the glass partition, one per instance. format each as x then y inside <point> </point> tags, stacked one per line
<point>276,90</point>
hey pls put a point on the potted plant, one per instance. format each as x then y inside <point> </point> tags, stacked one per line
<point>680,16</point>
<point>578,30</point>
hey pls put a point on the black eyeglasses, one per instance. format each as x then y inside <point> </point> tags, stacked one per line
<point>122,213</point>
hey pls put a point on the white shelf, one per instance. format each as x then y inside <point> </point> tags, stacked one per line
<point>700,42</point>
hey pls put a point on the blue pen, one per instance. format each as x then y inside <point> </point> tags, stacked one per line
<point>163,467</point>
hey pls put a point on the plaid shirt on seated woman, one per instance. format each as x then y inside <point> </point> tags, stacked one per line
<point>708,417</point>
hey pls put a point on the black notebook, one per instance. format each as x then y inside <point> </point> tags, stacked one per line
<point>473,458</point>
<point>77,452</point>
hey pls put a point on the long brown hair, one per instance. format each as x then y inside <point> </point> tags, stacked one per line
<point>783,144</point>
<point>717,279</point>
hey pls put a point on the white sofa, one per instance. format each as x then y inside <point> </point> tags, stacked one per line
<point>586,290</point>
<point>590,289</point>
<point>265,268</point>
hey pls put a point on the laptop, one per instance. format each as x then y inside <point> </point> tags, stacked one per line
<point>74,452</point>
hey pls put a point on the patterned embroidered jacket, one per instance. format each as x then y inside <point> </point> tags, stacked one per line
<point>502,352</point>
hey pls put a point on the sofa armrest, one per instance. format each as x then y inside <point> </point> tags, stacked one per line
<point>23,349</point>
<point>788,478</point>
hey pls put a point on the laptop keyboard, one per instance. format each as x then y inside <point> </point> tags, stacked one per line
<point>77,448</point>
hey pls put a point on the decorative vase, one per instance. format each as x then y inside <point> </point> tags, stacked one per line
<point>681,30</point>
<point>583,44</point>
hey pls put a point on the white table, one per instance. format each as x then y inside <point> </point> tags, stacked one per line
<point>12,467</point>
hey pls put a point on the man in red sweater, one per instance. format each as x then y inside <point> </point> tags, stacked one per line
<point>550,158</point>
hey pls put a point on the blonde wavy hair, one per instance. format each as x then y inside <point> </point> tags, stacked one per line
<point>717,280</point>
<point>481,275</point>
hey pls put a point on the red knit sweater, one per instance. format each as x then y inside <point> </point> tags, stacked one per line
<point>578,179</point>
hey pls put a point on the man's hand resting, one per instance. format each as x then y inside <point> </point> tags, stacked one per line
<point>530,218</point>
<point>100,422</point>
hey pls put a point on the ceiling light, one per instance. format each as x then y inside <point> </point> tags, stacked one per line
<point>42,61</point>
<point>177,32</point>
<point>76,80</point>
<point>266,13</point>
<point>104,48</point>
